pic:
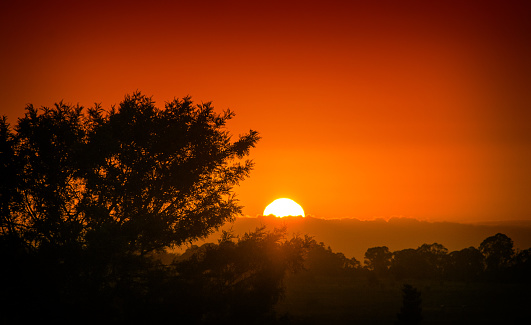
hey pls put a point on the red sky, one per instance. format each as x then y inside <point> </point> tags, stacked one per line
<point>393,108</point>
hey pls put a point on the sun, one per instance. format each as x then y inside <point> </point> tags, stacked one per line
<point>283,208</point>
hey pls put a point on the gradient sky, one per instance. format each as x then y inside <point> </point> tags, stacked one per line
<point>393,108</point>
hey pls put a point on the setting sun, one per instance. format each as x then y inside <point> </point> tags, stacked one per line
<point>283,208</point>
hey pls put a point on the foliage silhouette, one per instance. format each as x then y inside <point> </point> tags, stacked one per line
<point>321,260</point>
<point>498,251</point>
<point>521,268</point>
<point>434,260</point>
<point>465,265</point>
<point>90,201</point>
<point>407,263</point>
<point>411,311</point>
<point>145,177</point>
<point>455,288</point>
<point>378,259</point>
<point>241,280</point>
<point>87,197</point>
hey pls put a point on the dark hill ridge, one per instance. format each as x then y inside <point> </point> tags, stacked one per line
<point>352,237</point>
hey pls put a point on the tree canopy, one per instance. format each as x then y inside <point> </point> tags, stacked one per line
<point>378,259</point>
<point>498,251</point>
<point>145,178</point>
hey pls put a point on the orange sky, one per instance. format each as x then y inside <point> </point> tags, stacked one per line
<point>405,108</point>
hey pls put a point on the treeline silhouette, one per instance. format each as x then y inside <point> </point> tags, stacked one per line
<point>483,285</point>
<point>494,260</point>
<point>322,273</point>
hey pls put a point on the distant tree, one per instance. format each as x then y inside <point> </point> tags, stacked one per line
<point>426,262</point>
<point>521,268</point>
<point>406,263</point>
<point>87,196</point>
<point>353,263</point>
<point>411,311</point>
<point>323,261</point>
<point>433,259</point>
<point>498,252</point>
<point>465,265</point>
<point>378,259</point>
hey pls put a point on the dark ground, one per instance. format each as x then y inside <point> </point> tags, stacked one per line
<point>348,300</point>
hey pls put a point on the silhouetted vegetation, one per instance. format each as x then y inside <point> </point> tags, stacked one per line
<point>90,200</point>
<point>321,260</point>
<point>238,281</point>
<point>457,287</point>
<point>378,260</point>
<point>495,260</point>
<point>91,204</point>
<point>411,311</point>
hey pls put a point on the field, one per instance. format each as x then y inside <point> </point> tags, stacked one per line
<point>355,300</point>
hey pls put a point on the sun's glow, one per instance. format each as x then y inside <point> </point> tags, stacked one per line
<point>284,207</point>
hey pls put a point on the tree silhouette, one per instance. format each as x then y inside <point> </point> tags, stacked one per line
<point>434,259</point>
<point>321,260</point>
<point>406,263</point>
<point>87,196</point>
<point>156,177</point>
<point>378,259</point>
<point>411,311</point>
<point>522,266</point>
<point>465,265</point>
<point>498,251</point>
